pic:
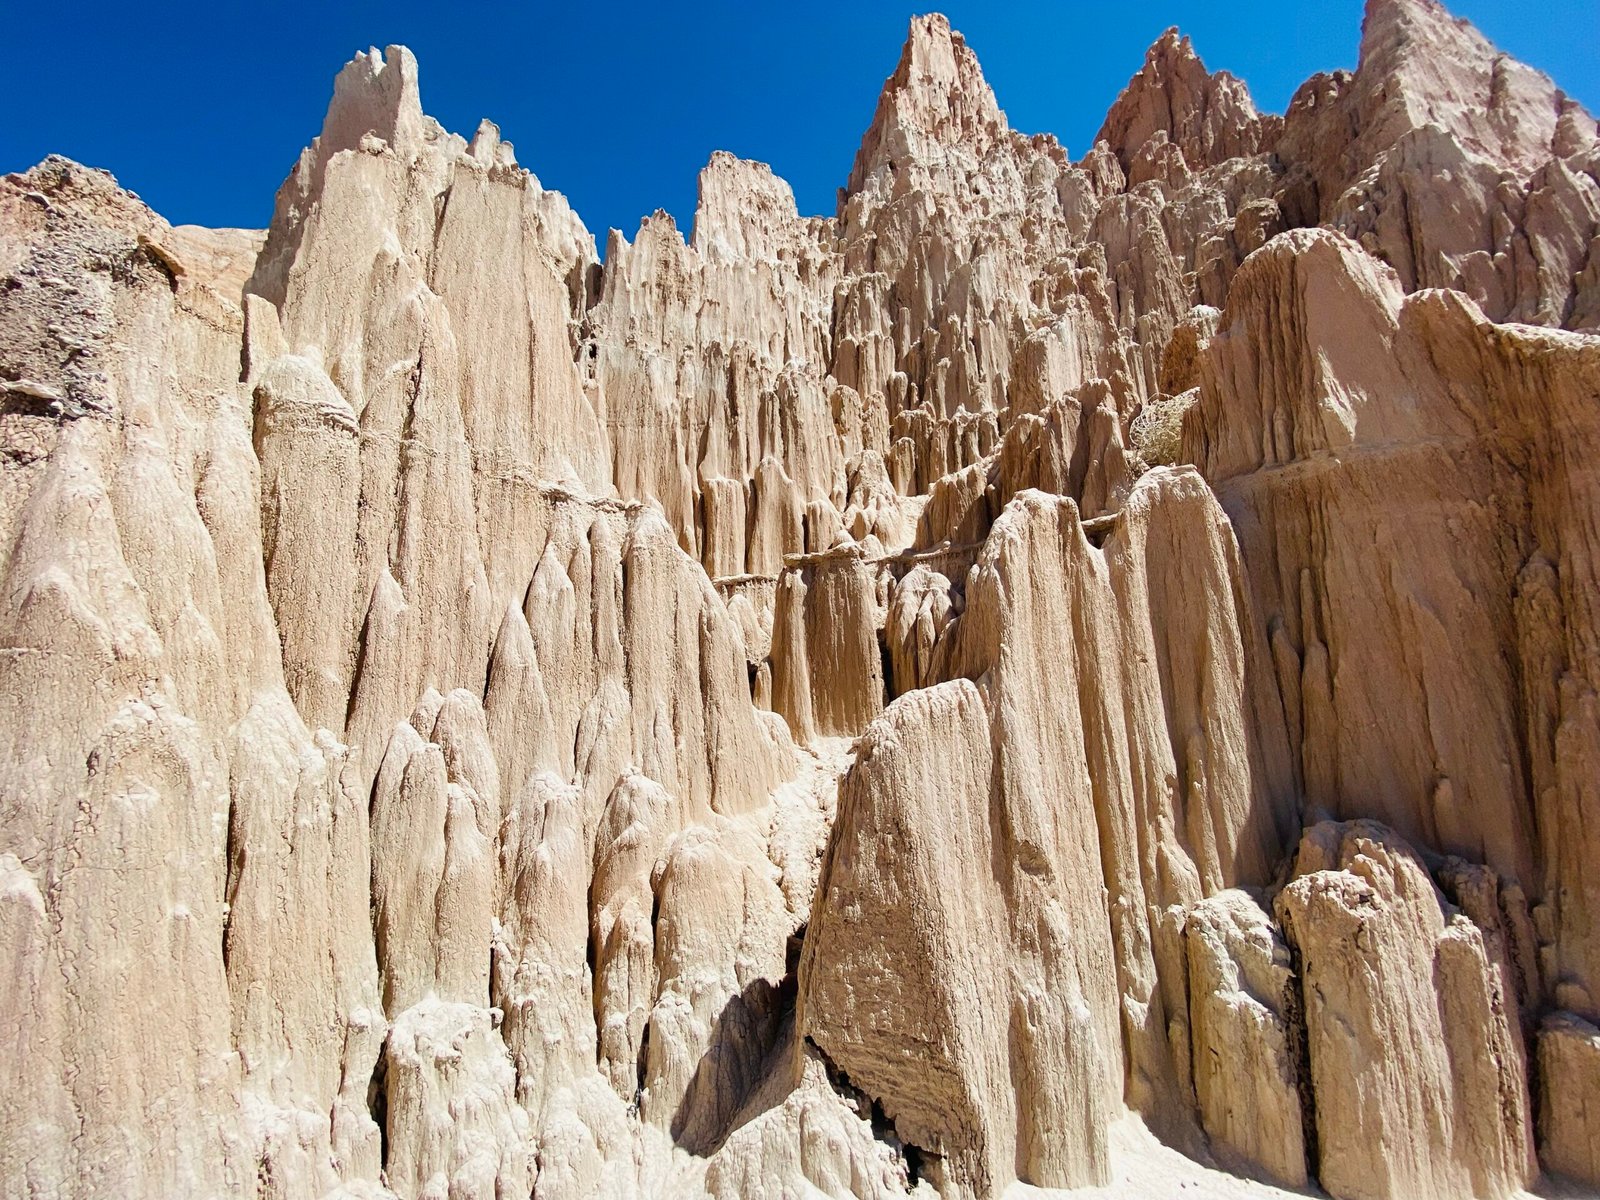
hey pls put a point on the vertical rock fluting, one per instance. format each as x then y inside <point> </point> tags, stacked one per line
<point>986,1028</point>
<point>1385,960</point>
<point>1243,1028</point>
<point>860,706</point>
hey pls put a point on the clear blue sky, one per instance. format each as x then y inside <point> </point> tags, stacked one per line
<point>202,107</point>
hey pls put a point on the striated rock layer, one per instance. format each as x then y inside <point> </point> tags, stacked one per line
<point>1064,673</point>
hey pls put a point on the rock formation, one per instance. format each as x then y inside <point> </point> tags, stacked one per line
<point>1064,673</point>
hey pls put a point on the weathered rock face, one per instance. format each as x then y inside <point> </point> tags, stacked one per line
<point>1246,1062</point>
<point>1055,656</point>
<point>1385,960</point>
<point>1459,166</point>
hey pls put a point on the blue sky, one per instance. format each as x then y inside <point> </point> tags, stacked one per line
<point>202,108</point>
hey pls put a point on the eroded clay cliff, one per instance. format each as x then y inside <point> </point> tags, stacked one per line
<point>1064,673</point>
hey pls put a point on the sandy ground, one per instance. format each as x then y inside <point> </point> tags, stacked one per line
<point>1145,1169</point>
<point>1148,1170</point>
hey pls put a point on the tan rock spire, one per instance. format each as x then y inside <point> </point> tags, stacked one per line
<point>936,100</point>
<point>1209,118</point>
<point>1430,68</point>
<point>375,94</point>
